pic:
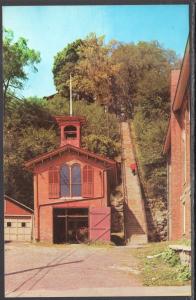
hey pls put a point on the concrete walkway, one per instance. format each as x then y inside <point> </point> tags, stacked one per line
<point>118,292</point>
<point>38,269</point>
<point>135,219</point>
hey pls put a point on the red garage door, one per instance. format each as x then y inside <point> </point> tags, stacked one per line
<point>99,223</point>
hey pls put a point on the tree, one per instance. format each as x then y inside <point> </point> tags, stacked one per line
<point>89,62</point>
<point>29,130</point>
<point>102,145</point>
<point>17,56</point>
<point>143,74</point>
<point>95,71</point>
<point>151,113</point>
<point>64,65</point>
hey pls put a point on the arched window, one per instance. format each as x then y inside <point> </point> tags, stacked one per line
<point>88,175</point>
<point>70,132</point>
<point>65,181</point>
<point>75,180</point>
<point>53,180</point>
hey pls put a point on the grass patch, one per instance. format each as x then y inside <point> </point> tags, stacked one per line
<point>163,270</point>
<point>100,244</point>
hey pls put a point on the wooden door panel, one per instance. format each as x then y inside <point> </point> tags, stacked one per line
<point>99,224</point>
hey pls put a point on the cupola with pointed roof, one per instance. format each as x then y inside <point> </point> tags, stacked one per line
<point>70,129</point>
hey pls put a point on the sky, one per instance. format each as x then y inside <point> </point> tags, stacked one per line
<point>49,29</point>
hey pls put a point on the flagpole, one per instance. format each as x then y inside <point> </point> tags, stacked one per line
<point>71,109</point>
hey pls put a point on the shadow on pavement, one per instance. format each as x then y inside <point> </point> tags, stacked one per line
<point>44,267</point>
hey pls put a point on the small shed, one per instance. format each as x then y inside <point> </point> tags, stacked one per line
<point>18,221</point>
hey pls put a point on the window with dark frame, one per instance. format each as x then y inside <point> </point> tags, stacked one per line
<point>68,181</point>
<point>23,224</point>
<point>75,180</point>
<point>9,224</point>
<point>65,181</point>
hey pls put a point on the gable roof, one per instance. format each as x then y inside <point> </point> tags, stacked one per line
<point>18,203</point>
<point>69,148</point>
<point>183,80</point>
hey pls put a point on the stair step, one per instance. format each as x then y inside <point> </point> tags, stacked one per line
<point>134,218</point>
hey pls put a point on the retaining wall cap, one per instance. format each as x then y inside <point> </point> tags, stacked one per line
<point>180,247</point>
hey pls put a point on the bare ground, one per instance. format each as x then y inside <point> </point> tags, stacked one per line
<point>74,270</point>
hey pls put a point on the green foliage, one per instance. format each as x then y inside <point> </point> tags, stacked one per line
<point>151,113</point>
<point>97,121</point>
<point>28,131</point>
<point>161,270</point>
<point>64,65</point>
<point>184,273</point>
<point>95,71</point>
<point>89,61</point>
<point>101,144</point>
<point>16,58</point>
<point>171,257</point>
<point>150,135</point>
<point>116,74</point>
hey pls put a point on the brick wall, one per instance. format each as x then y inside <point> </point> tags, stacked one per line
<point>179,179</point>
<point>44,206</point>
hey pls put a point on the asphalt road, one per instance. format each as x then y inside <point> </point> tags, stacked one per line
<point>75,270</point>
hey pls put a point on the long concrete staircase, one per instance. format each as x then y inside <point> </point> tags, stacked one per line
<point>134,212</point>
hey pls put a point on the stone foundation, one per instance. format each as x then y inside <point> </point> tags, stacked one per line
<point>117,217</point>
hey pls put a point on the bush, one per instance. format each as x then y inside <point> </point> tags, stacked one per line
<point>184,273</point>
<point>170,257</point>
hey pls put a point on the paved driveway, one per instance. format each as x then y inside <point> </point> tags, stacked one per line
<point>72,270</point>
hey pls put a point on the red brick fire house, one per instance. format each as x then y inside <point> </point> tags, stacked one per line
<point>72,187</point>
<point>177,149</point>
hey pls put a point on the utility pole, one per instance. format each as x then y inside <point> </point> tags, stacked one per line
<point>107,121</point>
<point>70,105</point>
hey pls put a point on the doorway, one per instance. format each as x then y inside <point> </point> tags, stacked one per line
<point>70,225</point>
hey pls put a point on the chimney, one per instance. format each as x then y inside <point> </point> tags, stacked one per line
<point>70,128</point>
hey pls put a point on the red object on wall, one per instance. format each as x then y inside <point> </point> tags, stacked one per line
<point>99,223</point>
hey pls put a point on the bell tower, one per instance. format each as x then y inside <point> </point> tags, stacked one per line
<point>70,128</point>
